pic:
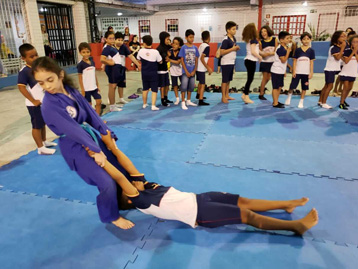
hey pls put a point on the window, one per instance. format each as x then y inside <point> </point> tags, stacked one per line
<point>172,26</point>
<point>293,24</point>
<point>144,28</point>
<point>351,11</point>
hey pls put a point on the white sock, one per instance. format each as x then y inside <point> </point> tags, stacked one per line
<point>122,101</point>
<point>45,151</point>
<point>155,108</point>
<point>190,103</point>
<point>300,104</point>
<point>49,144</point>
<point>145,105</point>
<point>183,106</point>
<point>177,101</point>
<point>288,100</point>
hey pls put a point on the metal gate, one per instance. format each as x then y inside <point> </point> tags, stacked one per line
<point>59,24</point>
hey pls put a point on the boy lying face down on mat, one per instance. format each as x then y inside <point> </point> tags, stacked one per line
<point>99,162</point>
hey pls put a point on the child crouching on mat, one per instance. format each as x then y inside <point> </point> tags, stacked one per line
<point>303,58</point>
<point>210,209</point>
<point>349,70</point>
<point>68,114</point>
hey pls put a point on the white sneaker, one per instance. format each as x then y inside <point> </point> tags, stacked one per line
<point>114,108</point>
<point>49,144</point>
<point>154,108</point>
<point>183,106</point>
<point>300,104</point>
<point>144,106</point>
<point>122,101</point>
<point>326,106</point>
<point>45,151</point>
<point>118,105</point>
<point>190,103</point>
<point>177,101</point>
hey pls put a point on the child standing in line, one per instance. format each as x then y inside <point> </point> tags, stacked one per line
<point>250,36</point>
<point>87,77</point>
<point>278,69</point>
<point>228,51</point>
<point>268,45</point>
<point>349,71</point>
<point>175,67</point>
<point>189,55</point>
<point>335,54</point>
<point>150,59</point>
<point>134,46</point>
<point>108,52</point>
<point>302,68</point>
<point>119,69</point>
<point>34,94</point>
<point>163,74</point>
<point>204,51</point>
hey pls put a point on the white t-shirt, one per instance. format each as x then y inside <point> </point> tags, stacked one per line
<point>278,67</point>
<point>204,48</point>
<point>88,72</point>
<point>332,64</point>
<point>349,69</point>
<point>249,55</point>
<point>25,78</point>
<point>303,64</point>
<point>268,47</point>
<point>228,59</point>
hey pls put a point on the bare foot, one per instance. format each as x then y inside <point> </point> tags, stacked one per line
<point>295,203</point>
<point>123,223</point>
<point>307,222</point>
<point>230,98</point>
<point>225,101</point>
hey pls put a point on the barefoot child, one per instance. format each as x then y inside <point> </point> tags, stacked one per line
<point>189,55</point>
<point>228,51</point>
<point>349,71</point>
<point>278,69</point>
<point>34,94</point>
<point>335,54</point>
<point>204,51</point>
<point>150,59</point>
<point>175,67</point>
<point>87,77</point>
<point>66,111</point>
<point>302,68</point>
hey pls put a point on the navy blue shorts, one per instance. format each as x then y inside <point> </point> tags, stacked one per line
<point>163,80</point>
<point>227,73</point>
<point>108,70</point>
<point>345,78</point>
<point>153,85</point>
<point>217,209</point>
<point>36,117</point>
<point>93,93</point>
<point>277,80</point>
<point>329,76</point>
<point>296,80</point>
<point>175,80</point>
<point>200,76</point>
<point>265,67</point>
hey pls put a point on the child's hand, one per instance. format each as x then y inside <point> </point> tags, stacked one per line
<point>260,59</point>
<point>98,90</point>
<point>36,102</point>
<point>236,47</point>
<point>139,185</point>
<point>210,71</point>
<point>310,76</point>
<point>187,74</point>
<point>99,158</point>
<point>111,62</point>
<point>139,67</point>
<point>83,93</point>
<point>284,75</point>
<point>192,74</point>
<point>293,74</point>
<point>167,59</point>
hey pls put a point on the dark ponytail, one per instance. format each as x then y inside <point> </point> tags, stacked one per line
<point>50,65</point>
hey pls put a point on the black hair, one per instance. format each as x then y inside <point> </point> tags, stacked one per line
<point>349,28</point>
<point>335,37</point>
<point>305,34</point>
<point>351,33</point>
<point>229,25</point>
<point>134,36</point>
<point>118,35</point>
<point>205,35</point>
<point>180,40</point>
<point>148,40</point>
<point>268,29</point>
<point>283,34</point>
<point>108,33</point>
<point>25,48</point>
<point>84,45</point>
<point>189,32</point>
<point>110,27</point>
<point>50,65</point>
<point>162,36</point>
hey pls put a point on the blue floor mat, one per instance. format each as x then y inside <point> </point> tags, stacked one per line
<point>48,233</point>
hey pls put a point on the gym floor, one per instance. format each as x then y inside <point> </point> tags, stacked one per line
<point>50,218</point>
